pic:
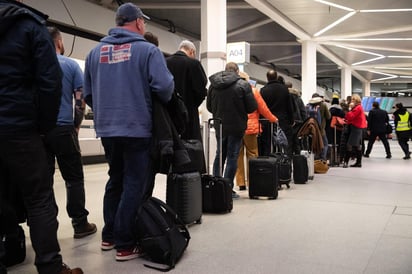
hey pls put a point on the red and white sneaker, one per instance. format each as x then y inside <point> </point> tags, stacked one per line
<point>106,246</point>
<point>128,254</point>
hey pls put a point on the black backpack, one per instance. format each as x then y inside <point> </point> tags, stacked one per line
<point>161,234</point>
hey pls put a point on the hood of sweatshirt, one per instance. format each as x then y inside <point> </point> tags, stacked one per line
<point>223,79</point>
<point>122,36</point>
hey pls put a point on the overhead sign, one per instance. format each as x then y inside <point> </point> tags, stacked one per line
<point>238,52</point>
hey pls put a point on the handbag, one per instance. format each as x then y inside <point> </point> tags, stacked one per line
<point>388,129</point>
<point>337,122</point>
<point>279,138</point>
<point>321,166</point>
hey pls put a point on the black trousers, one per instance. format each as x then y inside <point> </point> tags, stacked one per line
<point>62,143</point>
<point>23,163</point>
<point>382,137</point>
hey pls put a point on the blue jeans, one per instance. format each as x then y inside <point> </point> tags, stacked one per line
<point>324,153</point>
<point>23,163</point>
<point>129,171</point>
<point>230,152</point>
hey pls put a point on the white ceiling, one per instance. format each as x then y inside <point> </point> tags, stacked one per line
<point>373,38</point>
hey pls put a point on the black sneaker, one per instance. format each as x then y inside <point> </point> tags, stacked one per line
<point>388,156</point>
<point>84,230</point>
<point>242,188</point>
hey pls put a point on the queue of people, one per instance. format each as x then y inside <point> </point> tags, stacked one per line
<point>39,122</point>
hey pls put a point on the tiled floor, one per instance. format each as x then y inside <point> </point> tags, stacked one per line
<point>349,221</point>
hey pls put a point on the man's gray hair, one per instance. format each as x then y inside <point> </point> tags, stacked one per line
<point>187,45</point>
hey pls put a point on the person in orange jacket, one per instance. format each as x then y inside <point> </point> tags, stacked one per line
<point>249,141</point>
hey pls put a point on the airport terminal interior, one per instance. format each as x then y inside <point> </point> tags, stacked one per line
<point>347,221</point>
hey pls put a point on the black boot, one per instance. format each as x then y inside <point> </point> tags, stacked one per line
<point>346,159</point>
<point>358,159</point>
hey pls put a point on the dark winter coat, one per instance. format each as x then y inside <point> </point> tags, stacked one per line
<point>30,75</point>
<point>190,81</point>
<point>230,98</point>
<point>377,120</point>
<point>278,100</point>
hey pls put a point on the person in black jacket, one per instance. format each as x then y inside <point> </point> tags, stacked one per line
<point>278,100</point>
<point>190,82</point>
<point>231,99</point>
<point>30,91</point>
<point>377,121</point>
<point>299,116</point>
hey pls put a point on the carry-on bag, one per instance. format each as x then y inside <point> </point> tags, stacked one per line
<point>333,156</point>
<point>300,169</point>
<point>194,148</point>
<point>306,144</point>
<point>216,190</point>
<point>263,177</point>
<point>184,195</point>
<point>285,168</point>
<point>161,234</point>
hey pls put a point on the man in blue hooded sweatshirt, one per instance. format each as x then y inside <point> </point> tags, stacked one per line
<point>122,73</point>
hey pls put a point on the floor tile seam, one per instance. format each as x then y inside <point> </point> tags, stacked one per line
<point>378,241</point>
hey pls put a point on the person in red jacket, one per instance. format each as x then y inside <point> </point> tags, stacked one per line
<point>249,141</point>
<point>356,120</point>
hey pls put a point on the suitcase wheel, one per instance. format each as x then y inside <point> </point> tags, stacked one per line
<point>198,221</point>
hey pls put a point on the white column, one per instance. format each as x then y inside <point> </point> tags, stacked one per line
<point>308,70</point>
<point>366,86</point>
<point>346,82</point>
<point>213,41</point>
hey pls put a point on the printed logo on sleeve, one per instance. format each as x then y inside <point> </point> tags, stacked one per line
<point>111,54</point>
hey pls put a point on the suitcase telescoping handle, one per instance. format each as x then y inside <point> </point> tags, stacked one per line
<point>208,125</point>
<point>264,120</point>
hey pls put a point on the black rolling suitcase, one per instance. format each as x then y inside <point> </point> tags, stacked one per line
<point>184,195</point>
<point>333,151</point>
<point>263,177</point>
<point>300,169</point>
<point>285,168</point>
<point>216,190</point>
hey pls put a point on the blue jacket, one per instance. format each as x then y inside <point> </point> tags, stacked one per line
<point>30,75</point>
<point>122,73</point>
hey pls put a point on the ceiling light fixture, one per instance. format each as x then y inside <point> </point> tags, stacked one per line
<point>368,60</point>
<point>400,56</point>
<point>393,68</point>
<point>404,76</point>
<point>379,56</point>
<point>389,76</point>
<point>340,20</point>
<point>386,10</point>
<point>372,39</point>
